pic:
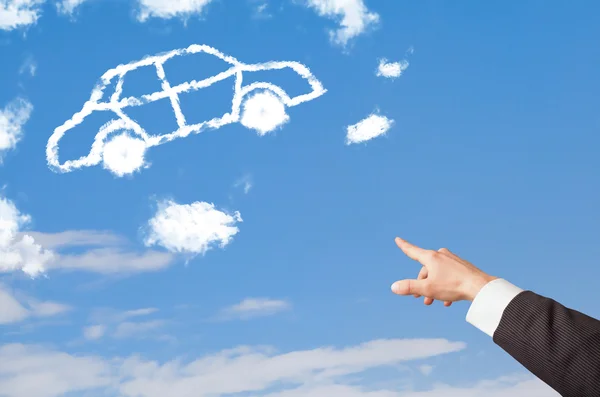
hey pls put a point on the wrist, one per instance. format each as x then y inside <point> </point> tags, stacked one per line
<point>477,284</point>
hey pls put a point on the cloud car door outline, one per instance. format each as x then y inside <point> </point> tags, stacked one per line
<point>124,123</point>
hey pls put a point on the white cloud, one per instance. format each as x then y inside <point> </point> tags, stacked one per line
<point>353,16</point>
<point>245,182</point>
<point>120,323</point>
<point>69,6</point>
<point>13,310</point>
<point>19,13</point>
<point>104,253</point>
<point>426,369</point>
<point>33,371</point>
<point>391,70</point>
<point>12,119</point>
<point>192,228</point>
<point>254,307</point>
<point>94,332</point>
<point>77,238</point>
<point>29,66</point>
<point>130,329</point>
<point>18,251</point>
<point>367,129</point>
<point>264,112</point>
<point>170,8</point>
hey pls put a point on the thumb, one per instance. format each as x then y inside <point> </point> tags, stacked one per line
<point>409,287</point>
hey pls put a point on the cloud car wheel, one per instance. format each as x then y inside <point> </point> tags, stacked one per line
<point>123,154</point>
<point>263,111</point>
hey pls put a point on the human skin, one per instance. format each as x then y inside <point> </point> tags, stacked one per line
<point>444,276</point>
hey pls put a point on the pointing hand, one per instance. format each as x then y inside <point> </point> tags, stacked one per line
<point>444,276</point>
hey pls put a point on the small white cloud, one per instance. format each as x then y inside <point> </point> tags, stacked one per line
<point>69,6</point>
<point>120,323</point>
<point>353,15</point>
<point>391,70</point>
<point>29,66</point>
<point>254,307</point>
<point>264,112</point>
<point>261,9</point>
<point>245,183</point>
<point>130,329</point>
<point>168,9</point>
<point>18,251</point>
<point>19,13</point>
<point>426,369</point>
<point>13,310</point>
<point>192,228</point>
<point>367,129</point>
<point>94,332</point>
<point>12,119</point>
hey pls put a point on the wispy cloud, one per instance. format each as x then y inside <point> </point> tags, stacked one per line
<point>121,324</point>
<point>426,369</point>
<point>12,119</point>
<point>14,310</point>
<point>353,16</point>
<point>69,6</point>
<point>371,127</point>
<point>248,370</point>
<point>261,8</point>
<point>168,9</point>
<point>245,183</point>
<point>254,307</point>
<point>99,252</point>
<point>254,370</point>
<point>191,228</point>
<point>29,66</point>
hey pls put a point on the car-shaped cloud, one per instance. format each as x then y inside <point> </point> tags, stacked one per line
<point>122,142</point>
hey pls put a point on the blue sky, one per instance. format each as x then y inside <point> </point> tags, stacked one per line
<point>492,153</point>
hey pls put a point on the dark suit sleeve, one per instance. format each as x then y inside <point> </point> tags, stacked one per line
<point>559,345</point>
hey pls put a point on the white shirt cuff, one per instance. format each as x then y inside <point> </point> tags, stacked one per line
<point>488,306</point>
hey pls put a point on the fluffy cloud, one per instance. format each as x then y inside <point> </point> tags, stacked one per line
<point>193,228</point>
<point>33,371</point>
<point>254,307</point>
<point>353,16</point>
<point>19,13</point>
<point>367,129</point>
<point>170,8</point>
<point>19,251</point>
<point>13,310</point>
<point>391,70</point>
<point>12,119</point>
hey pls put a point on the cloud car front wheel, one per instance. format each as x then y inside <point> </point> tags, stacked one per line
<point>263,111</point>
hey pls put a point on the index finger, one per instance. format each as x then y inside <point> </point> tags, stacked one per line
<point>412,251</point>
